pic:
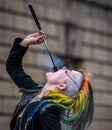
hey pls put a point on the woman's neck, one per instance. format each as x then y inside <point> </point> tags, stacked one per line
<point>45,91</point>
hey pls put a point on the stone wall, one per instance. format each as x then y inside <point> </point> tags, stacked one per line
<point>77,30</point>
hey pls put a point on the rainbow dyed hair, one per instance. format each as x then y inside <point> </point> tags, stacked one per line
<point>77,109</point>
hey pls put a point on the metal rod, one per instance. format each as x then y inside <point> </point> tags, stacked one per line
<point>40,29</point>
<point>45,42</point>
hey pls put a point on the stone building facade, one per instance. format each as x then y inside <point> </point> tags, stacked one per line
<point>79,31</point>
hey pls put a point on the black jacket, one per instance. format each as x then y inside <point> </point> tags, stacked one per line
<point>50,119</point>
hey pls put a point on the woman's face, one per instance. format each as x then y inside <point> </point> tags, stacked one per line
<point>56,77</point>
<point>71,78</point>
<point>63,75</point>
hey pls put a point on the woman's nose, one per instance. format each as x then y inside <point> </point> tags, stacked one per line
<point>64,68</point>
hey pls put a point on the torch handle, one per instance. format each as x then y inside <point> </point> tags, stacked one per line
<point>35,17</point>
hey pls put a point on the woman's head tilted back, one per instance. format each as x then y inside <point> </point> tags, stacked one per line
<point>72,92</point>
<point>73,82</point>
<point>64,80</point>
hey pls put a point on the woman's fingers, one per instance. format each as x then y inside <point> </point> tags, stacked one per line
<point>36,34</point>
<point>34,38</point>
<point>37,40</point>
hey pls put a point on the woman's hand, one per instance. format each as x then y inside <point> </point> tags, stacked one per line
<point>34,38</point>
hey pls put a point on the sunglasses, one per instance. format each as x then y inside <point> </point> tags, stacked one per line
<point>68,72</point>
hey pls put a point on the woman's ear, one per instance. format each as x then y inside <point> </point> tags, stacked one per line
<point>62,86</point>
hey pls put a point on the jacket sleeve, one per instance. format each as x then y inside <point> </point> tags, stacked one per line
<point>15,69</point>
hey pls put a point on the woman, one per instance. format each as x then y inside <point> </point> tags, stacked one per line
<point>65,101</point>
